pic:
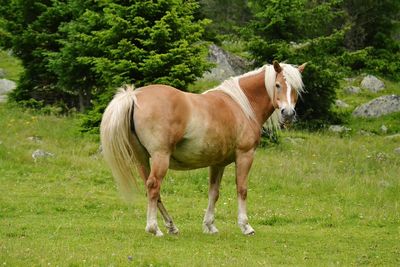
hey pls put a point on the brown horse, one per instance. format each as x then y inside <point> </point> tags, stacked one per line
<point>183,131</point>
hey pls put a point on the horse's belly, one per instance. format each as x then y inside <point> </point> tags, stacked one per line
<point>195,154</point>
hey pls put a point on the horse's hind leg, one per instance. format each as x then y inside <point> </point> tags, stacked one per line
<point>144,171</point>
<point>167,219</point>
<point>213,194</point>
<point>159,167</point>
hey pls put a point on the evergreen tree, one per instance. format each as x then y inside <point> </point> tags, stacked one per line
<point>372,23</point>
<point>301,31</point>
<point>226,15</point>
<point>30,29</point>
<point>78,52</point>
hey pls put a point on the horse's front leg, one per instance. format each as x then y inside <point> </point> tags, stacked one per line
<point>244,160</point>
<point>213,194</point>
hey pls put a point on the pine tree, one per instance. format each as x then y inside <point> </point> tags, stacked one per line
<point>78,52</point>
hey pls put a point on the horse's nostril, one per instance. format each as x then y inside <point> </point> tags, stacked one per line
<point>282,111</point>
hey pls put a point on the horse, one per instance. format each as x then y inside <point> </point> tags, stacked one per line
<point>146,131</point>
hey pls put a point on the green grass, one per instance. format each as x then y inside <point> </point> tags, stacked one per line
<point>11,65</point>
<point>202,85</point>
<point>321,200</point>
<point>316,199</point>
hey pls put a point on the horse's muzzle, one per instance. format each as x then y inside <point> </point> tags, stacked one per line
<point>287,115</point>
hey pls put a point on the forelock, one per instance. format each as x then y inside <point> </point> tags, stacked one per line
<point>293,76</point>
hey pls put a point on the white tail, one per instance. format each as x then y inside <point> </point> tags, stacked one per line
<point>116,139</point>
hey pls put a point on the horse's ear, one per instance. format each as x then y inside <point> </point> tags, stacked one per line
<point>277,67</point>
<point>301,67</point>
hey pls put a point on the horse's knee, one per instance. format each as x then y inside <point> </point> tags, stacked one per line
<point>242,192</point>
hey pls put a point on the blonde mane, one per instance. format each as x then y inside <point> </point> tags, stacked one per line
<point>232,88</point>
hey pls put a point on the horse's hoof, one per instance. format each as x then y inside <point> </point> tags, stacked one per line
<point>159,234</point>
<point>247,229</point>
<point>250,233</point>
<point>153,229</point>
<point>173,231</point>
<point>210,229</point>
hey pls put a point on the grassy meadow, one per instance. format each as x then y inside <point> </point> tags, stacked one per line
<point>315,199</point>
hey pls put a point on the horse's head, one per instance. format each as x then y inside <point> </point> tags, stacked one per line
<point>288,85</point>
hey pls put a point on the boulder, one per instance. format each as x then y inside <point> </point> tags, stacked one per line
<point>378,107</point>
<point>294,140</point>
<point>341,104</point>
<point>35,139</point>
<point>384,129</point>
<point>397,150</point>
<point>38,153</point>
<point>372,83</point>
<point>5,87</point>
<point>227,64</point>
<point>365,133</point>
<point>338,129</point>
<point>352,90</point>
<point>393,137</point>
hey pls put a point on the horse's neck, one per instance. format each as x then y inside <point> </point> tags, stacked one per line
<point>254,88</point>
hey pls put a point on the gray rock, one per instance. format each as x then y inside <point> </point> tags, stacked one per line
<point>352,90</point>
<point>35,139</point>
<point>5,87</point>
<point>227,64</point>
<point>384,129</point>
<point>397,150</point>
<point>294,140</point>
<point>341,104</point>
<point>338,129</point>
<point>365,133</point>
<point>372,83</point>
<point>378,107</point>
<point>41,154</point>
<point>393,137</point>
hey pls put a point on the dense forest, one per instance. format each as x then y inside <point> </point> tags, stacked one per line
<point>75,53</point>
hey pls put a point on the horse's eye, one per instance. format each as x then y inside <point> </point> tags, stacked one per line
<point>278,86</point>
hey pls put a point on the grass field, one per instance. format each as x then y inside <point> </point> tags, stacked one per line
<point>315,199</point>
